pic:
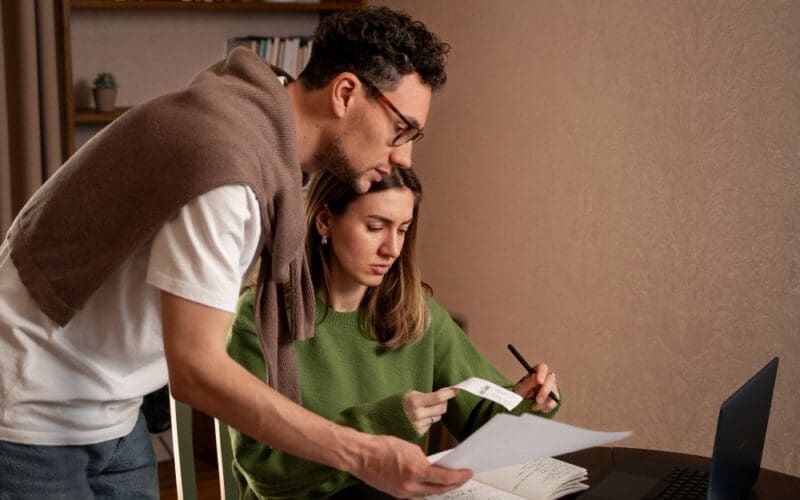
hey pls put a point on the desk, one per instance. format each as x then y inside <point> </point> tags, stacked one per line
<point>599,461</point>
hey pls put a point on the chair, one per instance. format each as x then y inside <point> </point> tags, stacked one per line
<point>227,485</point>
<point>185,480</point>
<point>185,477</point>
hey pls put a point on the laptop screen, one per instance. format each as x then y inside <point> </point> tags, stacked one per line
<point>741,429</point>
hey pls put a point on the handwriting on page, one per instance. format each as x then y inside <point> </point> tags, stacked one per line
<point>547,470</point>
<point>540,478</point>
<point>492,392</point>
<point>473,490</point>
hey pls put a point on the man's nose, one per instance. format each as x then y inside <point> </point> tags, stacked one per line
<point>401,155</point>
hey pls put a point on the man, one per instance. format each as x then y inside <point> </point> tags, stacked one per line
<point>123,270</point>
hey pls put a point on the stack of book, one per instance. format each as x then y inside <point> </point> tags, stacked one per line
<point>288,53</point>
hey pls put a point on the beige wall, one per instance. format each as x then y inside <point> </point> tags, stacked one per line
<point>614,187</point>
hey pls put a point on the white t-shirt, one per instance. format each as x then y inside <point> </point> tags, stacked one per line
<point>84,383</point>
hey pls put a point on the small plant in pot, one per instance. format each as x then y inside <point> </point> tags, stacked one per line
<point>105,92</point>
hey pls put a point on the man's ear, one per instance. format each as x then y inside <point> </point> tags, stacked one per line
<point>323,221</point>
<point>344,88</point>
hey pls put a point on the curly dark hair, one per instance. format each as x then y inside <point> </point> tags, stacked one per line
<point>377,44</point>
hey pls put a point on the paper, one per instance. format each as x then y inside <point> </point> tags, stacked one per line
<point>474,490</point>
<point>539,479</point>
<point>508,439</point>
<point>493,392</point>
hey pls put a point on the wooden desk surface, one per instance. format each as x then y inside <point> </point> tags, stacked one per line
<point>599,461</point>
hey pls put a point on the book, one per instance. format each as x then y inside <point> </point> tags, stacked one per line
<point>290,49</point>
<point>539,479</point>
<point>289,53</point>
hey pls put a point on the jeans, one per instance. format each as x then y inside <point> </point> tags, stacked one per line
<point>120,468</point>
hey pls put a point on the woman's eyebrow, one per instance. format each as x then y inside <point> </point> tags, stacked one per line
<point>387,220</point>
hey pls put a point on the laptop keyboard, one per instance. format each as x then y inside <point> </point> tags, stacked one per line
<point>682,483</point>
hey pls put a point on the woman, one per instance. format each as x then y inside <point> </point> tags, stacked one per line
<point>384,355</point>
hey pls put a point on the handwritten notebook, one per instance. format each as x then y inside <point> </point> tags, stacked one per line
<point>540,479</point>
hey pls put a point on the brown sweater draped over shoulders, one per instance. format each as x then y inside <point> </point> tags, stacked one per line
<point>232,125</point>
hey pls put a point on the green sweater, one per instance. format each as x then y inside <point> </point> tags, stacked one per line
<point>345,378</point>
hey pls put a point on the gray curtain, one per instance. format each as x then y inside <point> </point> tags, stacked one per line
<point>30,125</point>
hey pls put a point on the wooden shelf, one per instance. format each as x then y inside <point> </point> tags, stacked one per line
<point>218,6</point>
<point>90,115</point>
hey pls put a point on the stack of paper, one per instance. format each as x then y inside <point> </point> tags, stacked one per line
<point>508,440</point>
<point>510,457</point>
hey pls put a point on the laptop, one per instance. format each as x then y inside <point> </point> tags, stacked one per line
<point>735,461</point>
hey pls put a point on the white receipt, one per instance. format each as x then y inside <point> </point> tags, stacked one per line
<point>490,391</point>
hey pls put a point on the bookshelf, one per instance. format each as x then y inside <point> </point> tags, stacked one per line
<point>81,20</point>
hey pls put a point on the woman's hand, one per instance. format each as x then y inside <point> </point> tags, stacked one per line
<point>426,408</point>
<point>537,387</point>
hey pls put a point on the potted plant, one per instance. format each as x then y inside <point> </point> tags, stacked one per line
<point>105,92</point>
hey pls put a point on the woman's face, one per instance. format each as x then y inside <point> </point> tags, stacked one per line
<point>367,238</point>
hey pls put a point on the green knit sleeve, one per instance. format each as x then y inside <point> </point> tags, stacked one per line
<point>242,343</point>
<point>456,359</point>
<point>271,472</point>
<point>386,416</point>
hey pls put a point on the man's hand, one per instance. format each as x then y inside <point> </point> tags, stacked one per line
<point>401,469</point>
<point>426,408</point>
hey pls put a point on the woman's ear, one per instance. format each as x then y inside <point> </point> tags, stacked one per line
<point>323,221</point>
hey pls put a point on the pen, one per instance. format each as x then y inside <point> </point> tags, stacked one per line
<point>529,368</point>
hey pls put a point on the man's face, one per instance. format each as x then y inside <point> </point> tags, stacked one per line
<point>364,152</point>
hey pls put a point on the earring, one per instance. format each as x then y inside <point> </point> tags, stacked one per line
<point>324,239</point>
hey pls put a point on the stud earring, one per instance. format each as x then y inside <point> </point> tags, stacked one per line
<point>324,239</point>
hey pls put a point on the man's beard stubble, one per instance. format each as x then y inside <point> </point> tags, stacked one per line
<point>332,158</point>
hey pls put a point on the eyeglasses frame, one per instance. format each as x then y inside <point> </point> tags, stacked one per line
<point>385,100</point>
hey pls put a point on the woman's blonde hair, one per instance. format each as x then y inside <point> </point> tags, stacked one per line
<point>395,312</point>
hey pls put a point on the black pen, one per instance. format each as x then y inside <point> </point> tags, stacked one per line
<point>529,368</point>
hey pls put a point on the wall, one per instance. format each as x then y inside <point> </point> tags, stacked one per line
<point>614,188</point>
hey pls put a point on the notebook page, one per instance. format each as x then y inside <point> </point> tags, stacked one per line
<point>539,479</point>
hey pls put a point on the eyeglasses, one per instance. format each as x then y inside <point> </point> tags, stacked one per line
<point>408,134</point>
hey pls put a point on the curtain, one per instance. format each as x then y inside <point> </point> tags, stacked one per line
<point>30,103</point>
